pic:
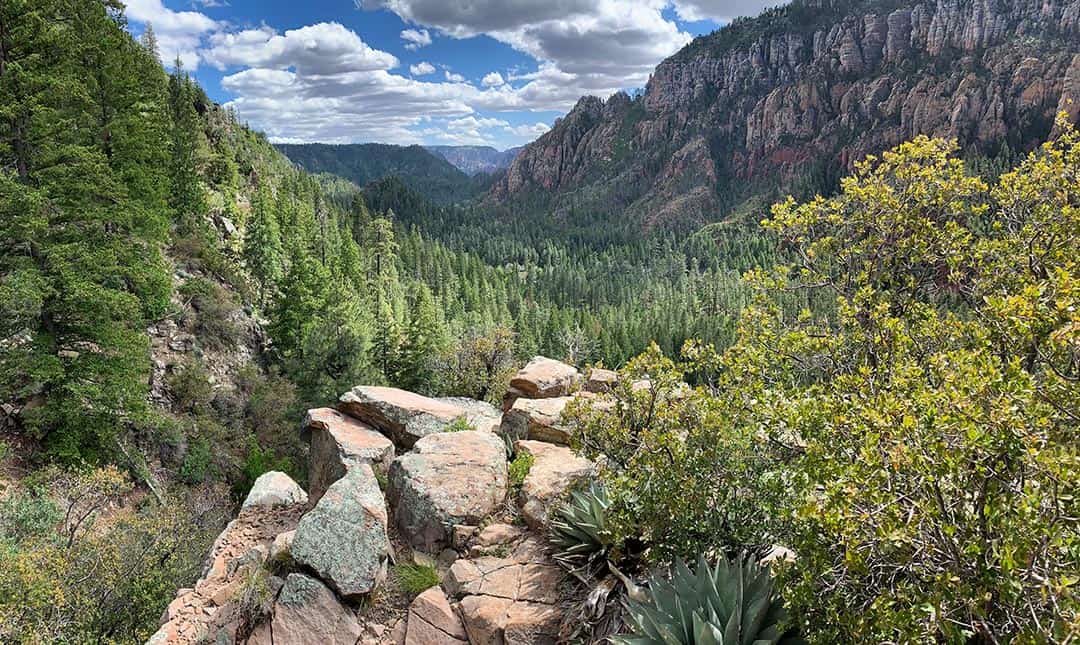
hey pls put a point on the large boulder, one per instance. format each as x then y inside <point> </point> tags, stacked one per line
<point>307,611</point>
<point>343,539</point>
<point>555,469</point>
<point>481,415</point>
<point>537,419</point>
<point>601,380</point>
<point>338,442</point>
<point>449,479</point>
<point>432,621</point>
<point>403,416</point>
<point>274,488</point>
<point>542,378</point>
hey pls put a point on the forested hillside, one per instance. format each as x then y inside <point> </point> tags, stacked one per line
<point>362,163</point>
<point>476,159</point>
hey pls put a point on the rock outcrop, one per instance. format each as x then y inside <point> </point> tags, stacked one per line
<point>288,570</point>
<point>337,442</point>
<point>537,419</point>
<point>555,469</point>
<point>448,479</point>
<point>343,539</point>
<point>403,416</point>
<point>542,378</point>
<point>800,94</point>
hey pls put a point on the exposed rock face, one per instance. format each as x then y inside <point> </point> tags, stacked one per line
<point>449,479</point>
<point>343,539</point>
<point>554,470</point>
<point>481,415</point>
<point>543,378</point>
<point>537,419</point>
<point>601,380</point>
<point>433,622</point>
<point>403,416</point>
<point>811,89</point>
<point>338,442</point>
<point>275,489</point>
<point>307,611</point>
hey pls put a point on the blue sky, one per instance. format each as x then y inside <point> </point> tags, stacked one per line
<point>494,72</point>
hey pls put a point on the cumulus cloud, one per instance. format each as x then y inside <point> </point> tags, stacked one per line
<point>610,44</point>
<point>493,79</point>
<point>423,68</point>
<point>416,38</point>
<point>320,49</point>
<point>454,78</point>
<point>179,33</point>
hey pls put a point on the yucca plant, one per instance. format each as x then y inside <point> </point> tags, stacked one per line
<point>730,604</point>
<point>579,528</point>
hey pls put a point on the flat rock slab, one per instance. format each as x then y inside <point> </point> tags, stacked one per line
<point>274,488</point>
<point>481,415</point>
<point>555,469</point>
<point>432,621</point>
<point>307,611</point>
<point>449,479</point>
<point>537,419</point>
<point>403,416</point>
<point>338,442</point>
<point>343,539</point>
<point>543,378</point>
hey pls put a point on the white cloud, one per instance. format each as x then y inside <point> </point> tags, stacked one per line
<point>603,45</point>
<point>416,38</point>
<point>423,68</point>
<point>178,32</point>
<point>530,132</point>
<point>720,10</point>
<point>320,49</point>
<point>454,78</point>
<point>493,79</point>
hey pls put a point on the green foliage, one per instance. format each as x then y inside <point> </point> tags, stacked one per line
<point>519,468</point>
<point>26,514</point>
<point>258,461</point>
<point>579,529</point>
<point>416,578</point>
<point>727,604</point>
<point>460,424</point>
<point>198,464</point>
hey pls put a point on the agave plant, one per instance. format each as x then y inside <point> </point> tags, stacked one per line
<point>730,604</point>
<point>578,528</point>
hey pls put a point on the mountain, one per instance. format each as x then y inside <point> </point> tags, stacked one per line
<point>362,163</point>
<point>791,99</point>
<point>476,159</point>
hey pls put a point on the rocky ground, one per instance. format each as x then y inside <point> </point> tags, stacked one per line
<point>394,480</point>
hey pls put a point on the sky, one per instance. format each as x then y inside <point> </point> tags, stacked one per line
<point>451,72</point>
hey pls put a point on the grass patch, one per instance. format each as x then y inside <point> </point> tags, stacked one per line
<point>416,578</point>
<point>520,467</point>
<point>460,424</point>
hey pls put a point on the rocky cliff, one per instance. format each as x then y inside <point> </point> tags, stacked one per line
<point>792,98</point>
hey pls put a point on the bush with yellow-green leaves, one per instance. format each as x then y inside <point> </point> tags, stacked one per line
<point>916,442</point>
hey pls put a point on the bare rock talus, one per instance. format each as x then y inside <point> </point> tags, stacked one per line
<point>338,442</point>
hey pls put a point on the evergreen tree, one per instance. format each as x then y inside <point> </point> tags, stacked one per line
<point>426,337</point>
<point>262,245</point>
<point>186,197</point>
<point>149,42</point>
<point>386,345</point>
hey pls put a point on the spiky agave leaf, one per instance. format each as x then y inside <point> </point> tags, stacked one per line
<point>731,603</point>
<point>579,527</point>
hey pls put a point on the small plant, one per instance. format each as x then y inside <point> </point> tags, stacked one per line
<point>520,467</point>
<point>416,578</point>
<point>460,424</point>
<point>729,604</point>
<point>579,528</point>
<point>382,480</point>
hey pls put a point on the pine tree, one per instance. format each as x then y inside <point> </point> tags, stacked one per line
<point>186,196</point>
<point>149,42</point>
<point>426,337</point>
<point>386,345</point>
<point>262,245</point>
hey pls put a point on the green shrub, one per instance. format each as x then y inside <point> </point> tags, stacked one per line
<point>198,464</point>
<point>730,604</point>
<point>460,424</point>
<point>259,460</point>
<point>27,513</point>
<point>416,578</point>
<point>520,467</point>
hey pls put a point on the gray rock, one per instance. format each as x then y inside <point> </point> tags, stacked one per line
<point>343,539</point>
<point>537,419</point>
<point>307,611</point>
<point>449,479</point>
<point>275,488</point>
<point>555,469</point>
<point>481,415</point>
